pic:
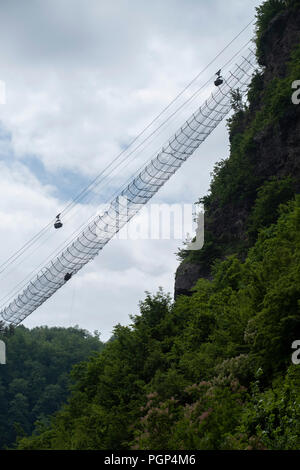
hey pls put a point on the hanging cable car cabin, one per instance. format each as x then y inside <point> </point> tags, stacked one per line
<point>219,80</point>
<point>58,223</point>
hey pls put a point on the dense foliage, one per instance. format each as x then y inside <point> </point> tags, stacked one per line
<point>212,371</point>
<point>34,382</point>
<point>236,183</point>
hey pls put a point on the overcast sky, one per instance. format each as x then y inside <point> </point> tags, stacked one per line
<point>82,79</point>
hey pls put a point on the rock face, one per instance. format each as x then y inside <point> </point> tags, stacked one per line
<point>187,275</point>
<point>275,152</point>
<point>277,41</point>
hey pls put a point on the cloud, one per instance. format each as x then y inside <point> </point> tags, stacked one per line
<point>82,80</point>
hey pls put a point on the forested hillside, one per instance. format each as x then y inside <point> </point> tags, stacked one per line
<point>34,382</point>
<point>213,369</point>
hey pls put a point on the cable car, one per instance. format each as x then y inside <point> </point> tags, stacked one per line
<point>68,276</point>
<point>58,223</point>
<point>219,80</point>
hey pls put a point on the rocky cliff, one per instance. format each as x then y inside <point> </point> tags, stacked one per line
<point>263,150</point>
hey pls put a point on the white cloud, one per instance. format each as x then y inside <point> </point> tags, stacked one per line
<point>82,79</point>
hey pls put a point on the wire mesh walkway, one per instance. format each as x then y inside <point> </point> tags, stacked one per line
<point>129,202</point>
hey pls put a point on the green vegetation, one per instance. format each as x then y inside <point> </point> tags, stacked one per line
<point>212,371</point>
<point>266,208</point>
<point>34,382</point>
<point>236,181</point>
